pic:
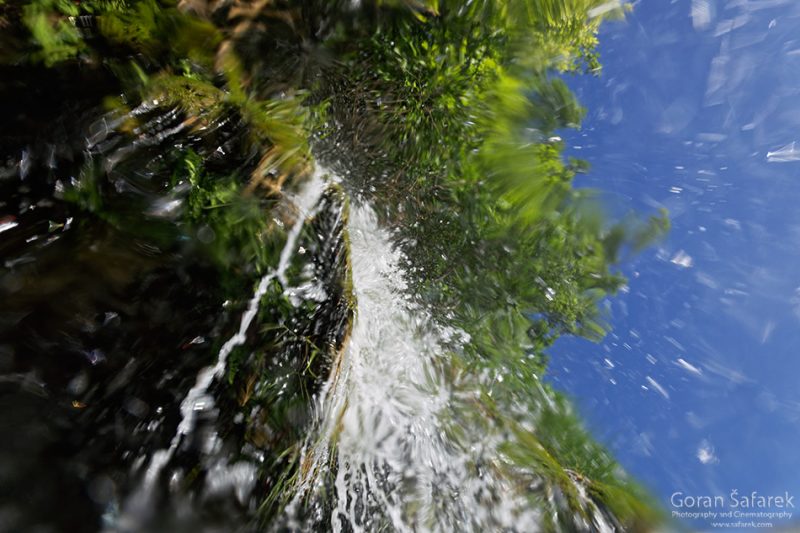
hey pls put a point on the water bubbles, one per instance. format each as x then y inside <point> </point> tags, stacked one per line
<point>165,208</point>
<point>206,234</point>
<point>682,259</point>
<point>95,356</point>
<point>202,403</point>
<point>78,384</point>
<point>604,8</point>
<point>785,154</point>
<point>701,14</point>
<point>136,407</point>
<point>733,224</point>
<point>706,453</point>
<point>657,387</point>
<point>238,478</point>
<point>7,224</point>
<point>111,318</point>
<point>24,164</point>
<point>682,363</point>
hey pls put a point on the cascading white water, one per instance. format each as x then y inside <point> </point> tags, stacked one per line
<point>380,415</point>
<point>381,418</point>
<point>198,398</point>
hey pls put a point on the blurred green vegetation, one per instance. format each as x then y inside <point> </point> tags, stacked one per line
<point>464,104</point>
<point>450,113</point>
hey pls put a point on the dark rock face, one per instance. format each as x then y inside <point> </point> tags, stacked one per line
<point>112,304</point>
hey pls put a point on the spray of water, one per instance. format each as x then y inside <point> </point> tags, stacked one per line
<point>382,424</point>
<point>198,398</point>
<point>385,452</point>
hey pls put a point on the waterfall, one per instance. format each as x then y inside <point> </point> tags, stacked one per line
<point>381,416</point>
<point>390,447</point>
<point>198,398</point>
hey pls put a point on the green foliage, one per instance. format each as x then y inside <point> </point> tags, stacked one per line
<point>465,113</point>
<point>56,37</point>
<point>567,457</point>
<point>148,28</point>
<point>562,436</point>
<point>464,104</point>
<point>450,112</point>
<point>162,55</point>
<point>151,27</point>
<point>235,228</point>
<point>467,109</point>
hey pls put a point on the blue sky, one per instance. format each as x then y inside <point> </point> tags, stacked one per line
<point>696,390</point>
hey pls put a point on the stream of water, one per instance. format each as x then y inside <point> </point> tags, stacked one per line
<point>202,330</point>
<point>380,431</point>
<point>385,441</point>
<point>198,399</point>
<point>381,414</point>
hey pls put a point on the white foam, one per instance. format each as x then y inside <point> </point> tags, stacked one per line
<point>382,414</point>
